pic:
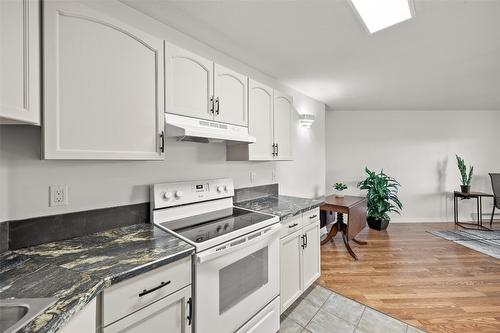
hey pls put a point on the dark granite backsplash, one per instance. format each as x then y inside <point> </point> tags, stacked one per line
<point>39,230</point>
<point>256,192</point>
<point>4,236</point>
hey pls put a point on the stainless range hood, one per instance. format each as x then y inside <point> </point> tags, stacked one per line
<point>198,130</point>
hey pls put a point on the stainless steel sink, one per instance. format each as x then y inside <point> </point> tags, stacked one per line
<point>17,312</point>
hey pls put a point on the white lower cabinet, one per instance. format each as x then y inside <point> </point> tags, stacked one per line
<point>84,321</point>
<point>300,262</point>
<point>290,269</point>
<point>170,314</point>
<point>311,254</point>
<point>156,301</point>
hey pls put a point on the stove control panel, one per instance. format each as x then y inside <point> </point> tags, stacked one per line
<point>183,193</point>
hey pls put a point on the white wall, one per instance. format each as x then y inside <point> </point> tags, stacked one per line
<point>418,148</point>
<point>25,179</point>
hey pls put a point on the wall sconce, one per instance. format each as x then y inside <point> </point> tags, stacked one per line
<point>306,120</point>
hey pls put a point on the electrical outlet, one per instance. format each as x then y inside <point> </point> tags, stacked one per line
<point>58,195</point>
<point>252,177</point>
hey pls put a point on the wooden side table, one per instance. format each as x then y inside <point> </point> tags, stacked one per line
<point>356,209</point>
<point>457,195</point>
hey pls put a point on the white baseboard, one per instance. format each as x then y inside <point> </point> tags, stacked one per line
<point>421,220</point>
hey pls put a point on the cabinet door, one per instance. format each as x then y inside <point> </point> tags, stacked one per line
<point>290,269</point>
<point>283,111</point>
<point>103,84</point>
<point>230,96</point>
<point>260,120</point>
<point>189,80</point>
<point>170,314</point>
<point>311,261</point>
<point>20,61</point>
<point>84,321</point>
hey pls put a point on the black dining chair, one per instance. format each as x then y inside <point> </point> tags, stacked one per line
<point>495,184</point>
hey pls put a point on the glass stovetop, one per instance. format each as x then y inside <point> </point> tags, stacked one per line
<point>225,221</point>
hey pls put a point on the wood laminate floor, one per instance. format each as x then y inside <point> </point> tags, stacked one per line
<point>419,278</point>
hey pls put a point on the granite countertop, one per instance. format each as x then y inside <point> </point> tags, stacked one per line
<point>283,206</point>
<point>74,271</point>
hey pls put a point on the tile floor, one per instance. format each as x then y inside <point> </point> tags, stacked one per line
<point>320,310</point>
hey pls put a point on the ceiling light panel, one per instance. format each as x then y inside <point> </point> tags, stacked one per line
<point>380,14</point>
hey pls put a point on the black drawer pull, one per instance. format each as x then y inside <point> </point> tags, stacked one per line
<point>190,316</point>
<point>293,225</point>
<point>162,284</point>
<point>315,215</point>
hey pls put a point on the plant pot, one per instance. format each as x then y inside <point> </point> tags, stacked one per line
<point>377,224</point>
<point>339,194</point>
<point>465,188</point>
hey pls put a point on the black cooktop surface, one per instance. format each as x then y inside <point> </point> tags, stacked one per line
<point>221,222</point>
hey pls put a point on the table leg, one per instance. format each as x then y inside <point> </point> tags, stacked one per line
<point>455,209</point>
<point>477,208</point>
<point>481,210</point>
<point>331,234</point>
<point>359,242</point>
<point>348,247</point>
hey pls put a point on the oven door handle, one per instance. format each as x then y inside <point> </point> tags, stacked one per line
<point>262,236</point>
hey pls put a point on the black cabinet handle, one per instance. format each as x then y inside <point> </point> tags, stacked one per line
<point>305,236</point>
<point>293,225</point>
<point>162,284</point>
<point>277,150</point>
<point>162,142</point>
<point>303,241</point>
<point>217,106</point>
<point>190,316</point>
<point>311,217</point>
<point>212,105</point>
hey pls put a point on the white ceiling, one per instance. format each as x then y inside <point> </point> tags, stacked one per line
<point>446,58</point>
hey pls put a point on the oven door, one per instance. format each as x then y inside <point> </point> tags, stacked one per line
<point>235,280</point>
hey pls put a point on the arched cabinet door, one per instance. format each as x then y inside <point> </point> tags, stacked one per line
<point>260,122</point>
<point>103,84</point>
<point>20,62</point>
<point>283,112</point>
<point>230,96</point>
<point>189,83</point>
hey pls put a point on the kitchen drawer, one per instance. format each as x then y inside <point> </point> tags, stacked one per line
<point>290,225</point>
<point>310,216</point>
<point>131,295</point>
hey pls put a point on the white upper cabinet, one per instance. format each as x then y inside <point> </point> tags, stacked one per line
<point>199,88</point>
<point>189,85</point>
<point>283,112</point>
<point>20,61</point>
<point>260,120</point>
<point>270,118</point>
<point>230,96</point>
<point>103,83</point>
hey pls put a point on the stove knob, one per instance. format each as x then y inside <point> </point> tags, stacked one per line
<point>178,194</point>
<point>167,195</point>
<point>220,188</point>
<point>219,228</point>
<point>226,226</point>
<point>225,188</point>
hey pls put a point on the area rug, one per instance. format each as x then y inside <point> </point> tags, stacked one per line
<point>487,242</point>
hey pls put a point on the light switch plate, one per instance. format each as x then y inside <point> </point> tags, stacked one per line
<point>58,195</point>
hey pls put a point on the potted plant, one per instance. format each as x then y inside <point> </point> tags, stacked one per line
<point>466,176</point>
<point>382,198</point>
<point>339,187</point>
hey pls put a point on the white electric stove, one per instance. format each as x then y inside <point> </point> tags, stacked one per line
<point>236,265</point>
